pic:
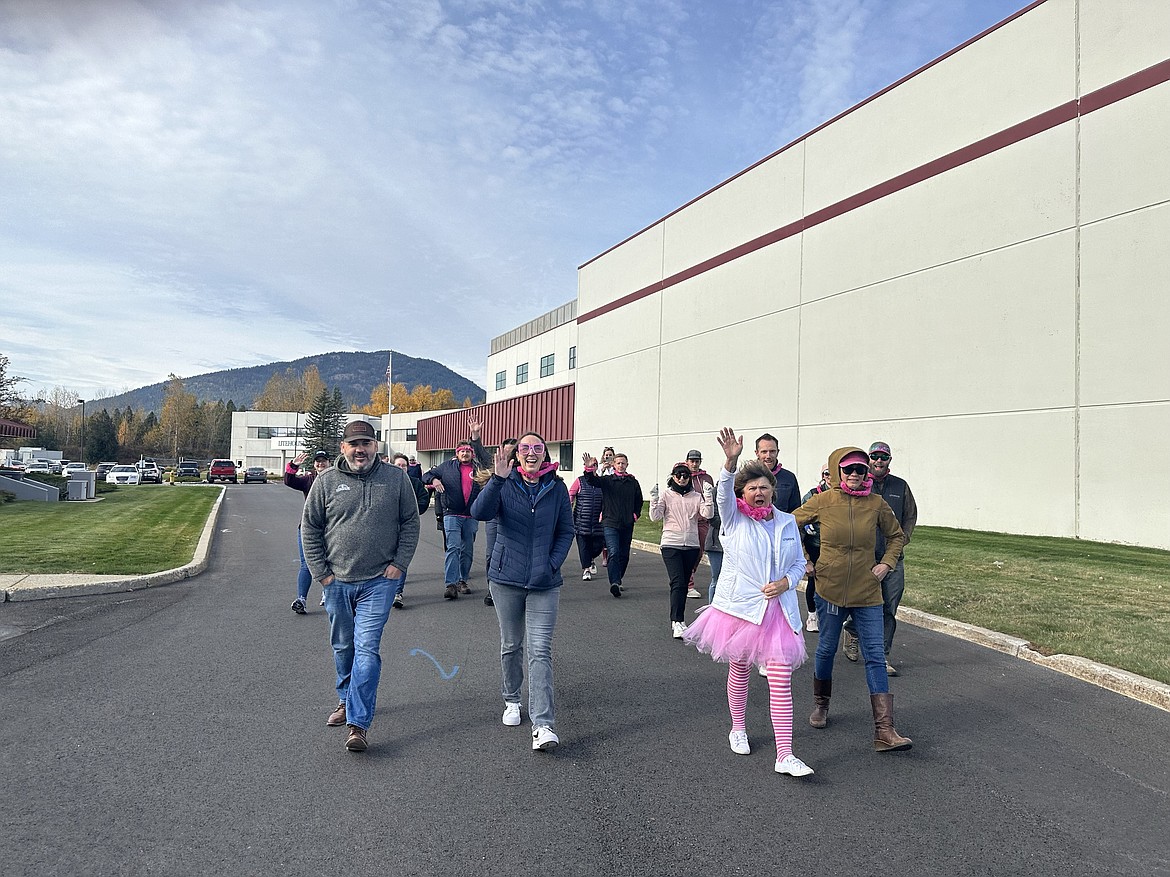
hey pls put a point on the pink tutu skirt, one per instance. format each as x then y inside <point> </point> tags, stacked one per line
<point>727,638</point>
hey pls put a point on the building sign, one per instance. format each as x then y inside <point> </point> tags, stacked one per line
<point>287,444</point>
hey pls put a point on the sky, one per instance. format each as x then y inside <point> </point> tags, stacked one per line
<point>193,186</point>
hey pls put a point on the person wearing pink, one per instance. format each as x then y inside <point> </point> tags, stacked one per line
<point>681,508</point>
<point>702,482</point>
<point>755,617</point>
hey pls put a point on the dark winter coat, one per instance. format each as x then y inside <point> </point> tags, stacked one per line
<point>533,536</point>
<point>621,498</point>
<point>587,510</point>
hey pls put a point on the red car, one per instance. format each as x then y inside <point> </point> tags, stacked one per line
<point>224,470</point>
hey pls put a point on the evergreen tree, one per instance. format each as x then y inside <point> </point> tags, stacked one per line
<point>101,437</point>
<point>325,423</point>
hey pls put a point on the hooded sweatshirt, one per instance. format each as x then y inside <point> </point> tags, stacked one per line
<point>357,524</point>
<point>848,527</point>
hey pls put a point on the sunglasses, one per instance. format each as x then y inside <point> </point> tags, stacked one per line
<point>879,456</point>
<point>537,449</point>
<point>855,469</point>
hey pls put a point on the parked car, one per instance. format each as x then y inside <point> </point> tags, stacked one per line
<point>149,472</point>
<point>123,475</point>
<point>56,466</point>
<point>224,470</point>
<point>103,469</point>
<point>69,468</point>
<point>146,461</point>
<point>256,473</point>
<point>39,466</point>
<point>187,469</point>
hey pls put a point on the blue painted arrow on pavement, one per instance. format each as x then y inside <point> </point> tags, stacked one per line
<point>438,666</point>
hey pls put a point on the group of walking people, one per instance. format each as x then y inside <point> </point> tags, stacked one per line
<point>360,528</point>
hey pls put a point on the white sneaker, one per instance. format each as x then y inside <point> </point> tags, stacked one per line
<point>793,766</point>
<point>693,593</point>
<point>810,623</point>
<point>511,714</point>
<point>544,739</point>
<point>677,628</point>
<point>739,743</point>
<point>586,575</point>
<point>593,568</point>
<point>763,671</point>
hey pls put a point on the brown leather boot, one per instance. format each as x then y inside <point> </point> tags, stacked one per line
<point>885,738</point>
<point>822,691</point>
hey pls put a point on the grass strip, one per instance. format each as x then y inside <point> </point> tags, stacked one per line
<point>139,529</point>
<point>1109,603</point>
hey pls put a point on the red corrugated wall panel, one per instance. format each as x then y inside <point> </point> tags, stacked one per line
<point>548,412</point>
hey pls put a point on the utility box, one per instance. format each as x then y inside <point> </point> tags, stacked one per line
<point>77,489</point>
<point>85,477</point>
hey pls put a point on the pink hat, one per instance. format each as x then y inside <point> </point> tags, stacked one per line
<point>854,457</point>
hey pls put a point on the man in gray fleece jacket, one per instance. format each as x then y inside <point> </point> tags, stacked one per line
<point>359,533</point>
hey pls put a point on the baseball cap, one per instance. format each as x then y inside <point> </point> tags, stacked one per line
<point>320,455</point>
<point>694,454</point>
<point>880,448</point>
<point>358,429</point>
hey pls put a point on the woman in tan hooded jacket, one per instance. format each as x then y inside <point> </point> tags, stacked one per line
<point>849,583</point>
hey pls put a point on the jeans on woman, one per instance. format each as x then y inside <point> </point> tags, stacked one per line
<point>358,612</point>
<point>617,541</point>
<point>588,547</point>
<point>527,618</point>
<point>868,621</point>
<point>304,577</point>
<point>679,564</point>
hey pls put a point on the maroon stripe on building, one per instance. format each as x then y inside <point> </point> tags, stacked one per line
<point>1066,112</point>
<point>16,429</point>
<point>549,413</point>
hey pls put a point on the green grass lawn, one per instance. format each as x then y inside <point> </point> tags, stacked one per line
<point>1109,603</point>
<point>140,529</point>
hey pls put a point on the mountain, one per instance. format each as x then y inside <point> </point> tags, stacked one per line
<point>355,373</point>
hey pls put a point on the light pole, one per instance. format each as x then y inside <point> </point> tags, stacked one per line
<point>82,455</point>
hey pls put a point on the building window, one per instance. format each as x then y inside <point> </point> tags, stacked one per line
<point>522,373</point>
<point>501,380</point>
<point>566,457</point>
<point>412,434</point>
<point>572,357</point>
<point>546,365</point>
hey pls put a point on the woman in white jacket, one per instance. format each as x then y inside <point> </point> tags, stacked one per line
<point>755,618</point>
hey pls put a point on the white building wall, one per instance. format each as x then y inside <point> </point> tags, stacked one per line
<point>398,431</point>
<point>1001,322</point>
<point>556,342</point>
<point>273,453</point>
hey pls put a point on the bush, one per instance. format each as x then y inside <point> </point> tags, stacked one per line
<point>5,496</point>
<point>62,484</point>
<point>104,487</point>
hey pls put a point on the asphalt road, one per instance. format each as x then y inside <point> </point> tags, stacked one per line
<point>181,730</point>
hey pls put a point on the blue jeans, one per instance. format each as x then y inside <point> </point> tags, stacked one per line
<point>617,543</point>
<point>357,615</point>
<point>460,533</point>
<point>715,558</point>
<point>868,621</point>
<point>893,585</point>
<point>527,619</point>
<point>304,577</point>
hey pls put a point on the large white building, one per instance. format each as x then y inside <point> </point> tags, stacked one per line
<point>970,265</point>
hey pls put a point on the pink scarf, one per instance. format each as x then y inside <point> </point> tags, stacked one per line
<point>866,487</point>
<point>755,513</point>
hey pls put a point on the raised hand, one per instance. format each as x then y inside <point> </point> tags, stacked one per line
<point>503,462</point>
<point>732,446</point>
<point>589,460</point>
<point>300,458</point>
<point>474,425</point>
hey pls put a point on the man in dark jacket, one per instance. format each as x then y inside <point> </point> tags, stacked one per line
<point>621,504</point>
<point>786,496</point>
<point>455,480</point>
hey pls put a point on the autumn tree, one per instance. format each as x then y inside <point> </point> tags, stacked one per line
<point>290,391</point>
<point>180,412</point>
<point>12,406</point>
<point>421,398</point>
<point>379,403</point>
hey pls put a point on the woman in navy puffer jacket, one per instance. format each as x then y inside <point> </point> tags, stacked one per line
<point>530,505</point>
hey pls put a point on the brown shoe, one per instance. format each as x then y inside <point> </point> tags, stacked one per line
<point>885,738</point>
<point>356,741</point>
<point>464,588</point>
<point>450,592</point>
<point>337,717</point>
<point>849,646</point>
<point>822,692</point>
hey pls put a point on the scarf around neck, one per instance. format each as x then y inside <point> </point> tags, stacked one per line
<point>864,490</point>
<point>756,514</point>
